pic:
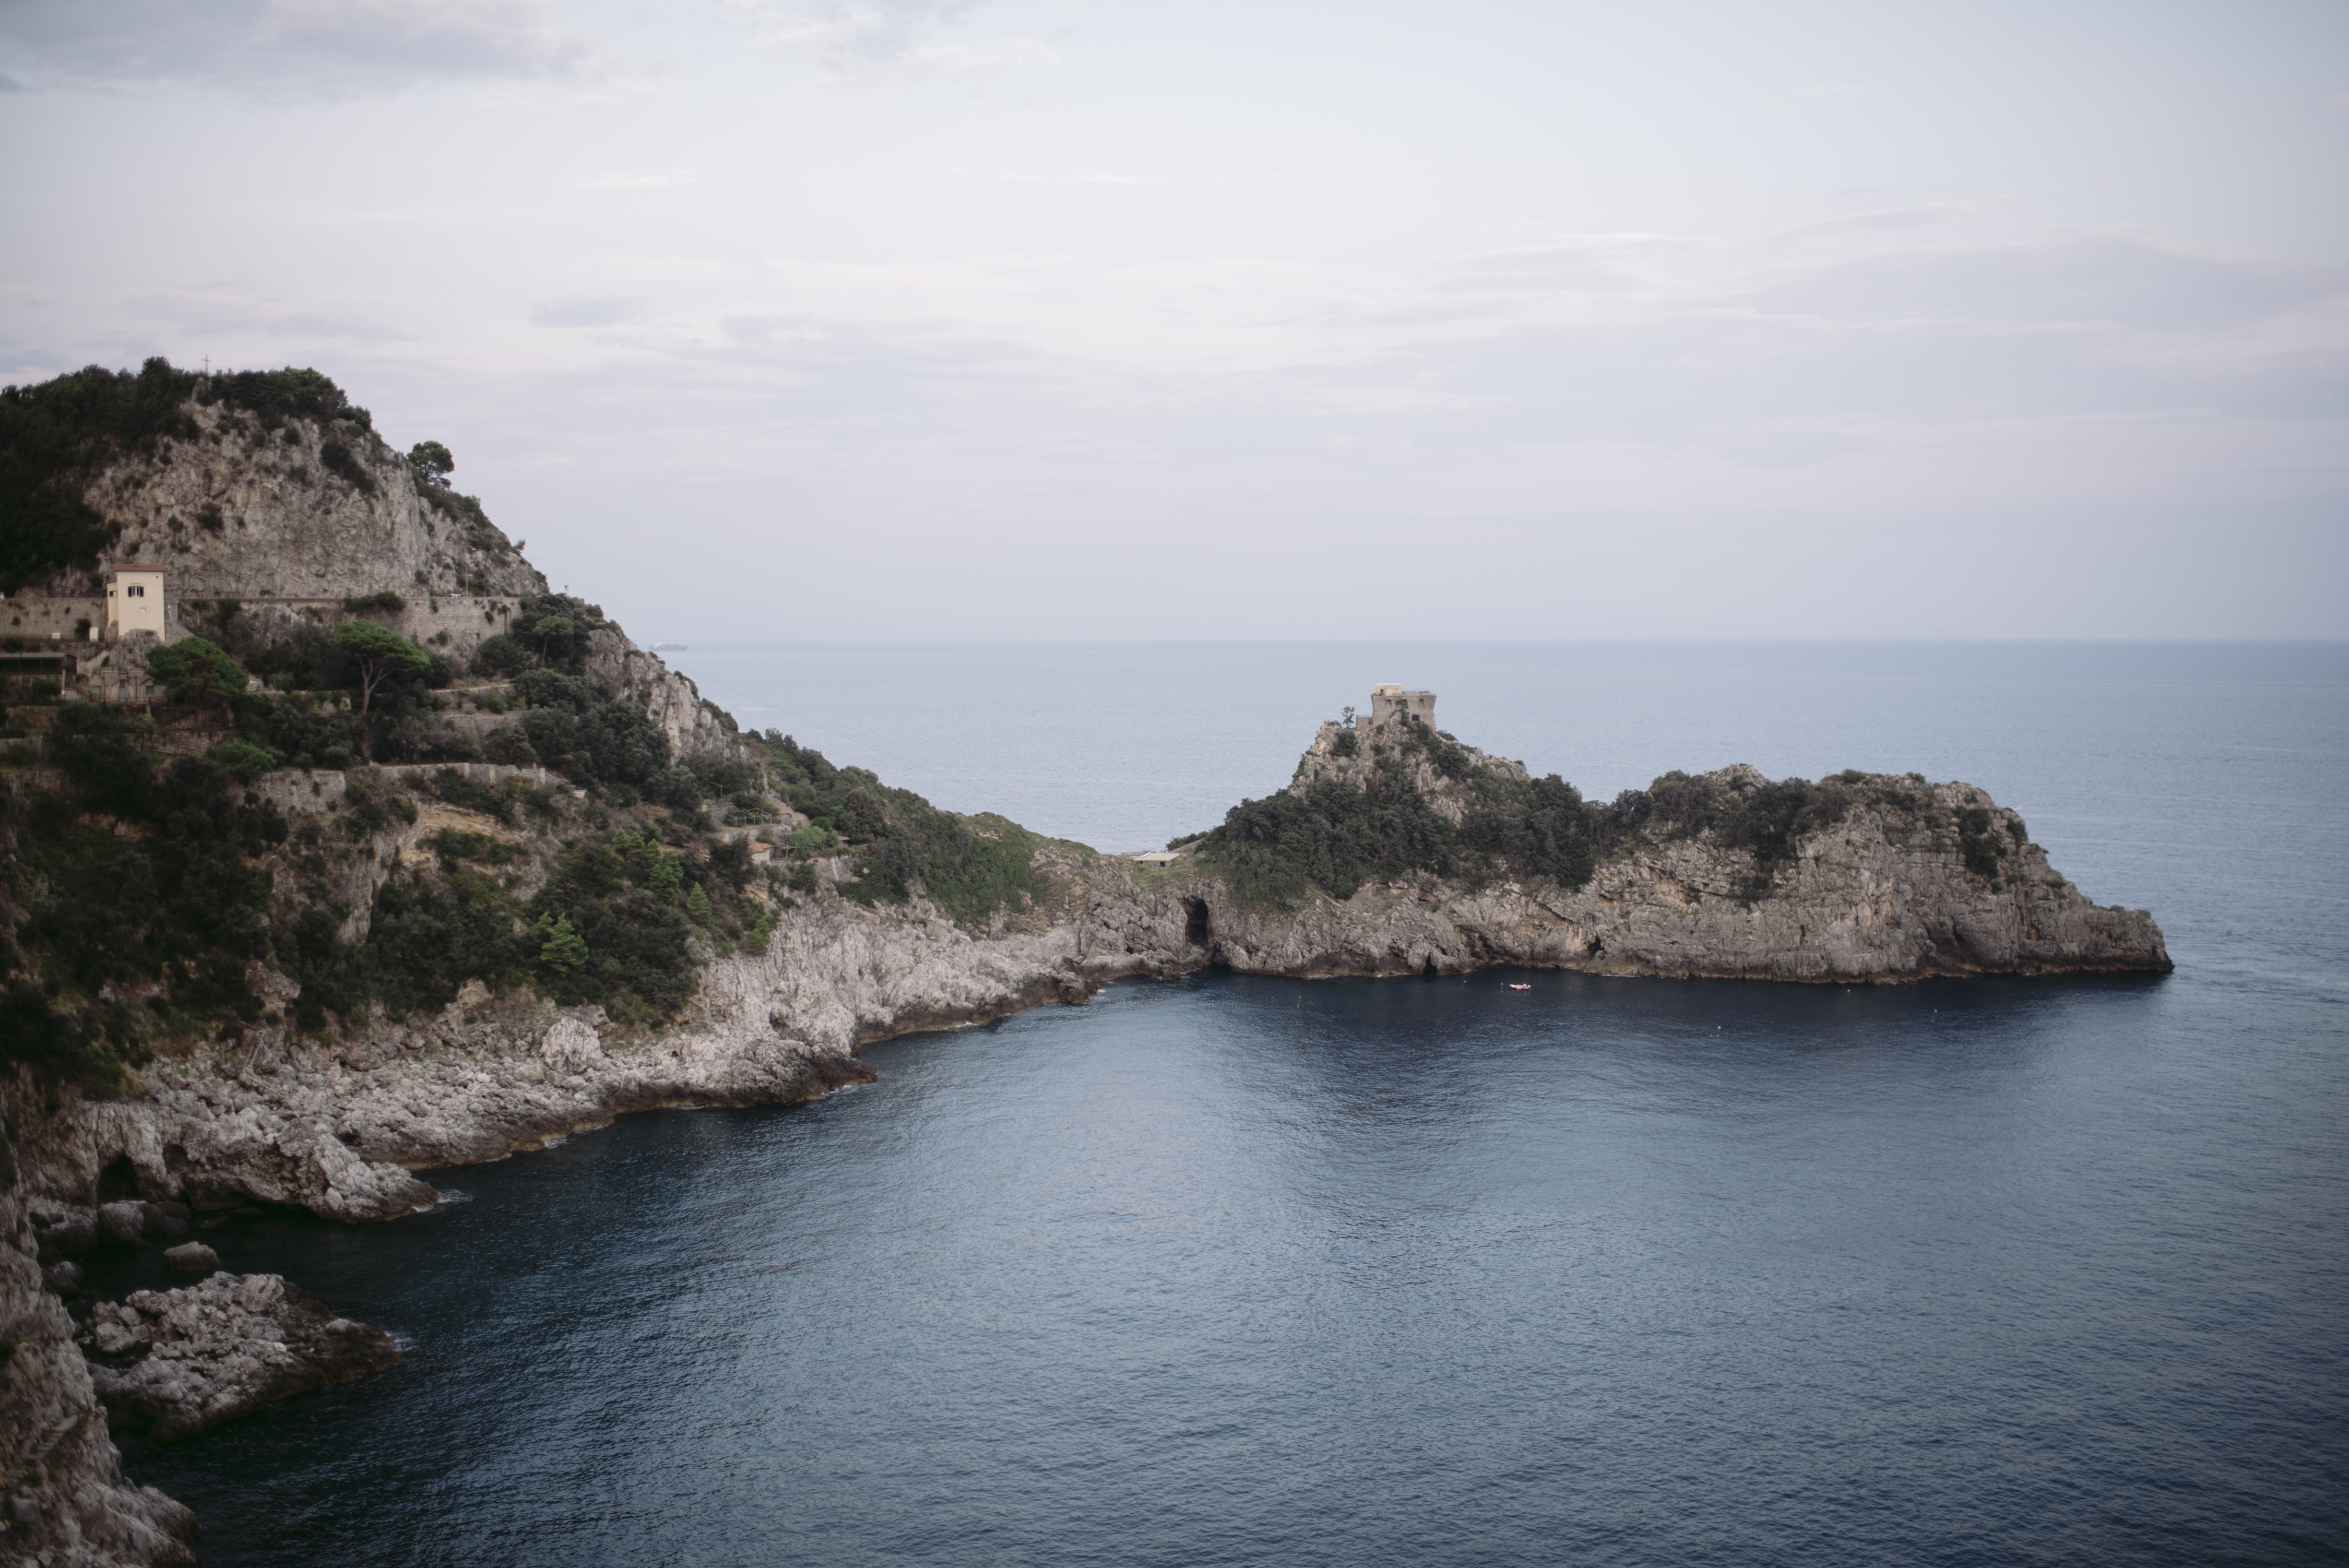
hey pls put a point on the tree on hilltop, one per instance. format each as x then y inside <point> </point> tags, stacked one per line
<point>432,462</point>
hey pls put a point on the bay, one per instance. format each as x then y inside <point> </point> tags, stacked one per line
<point>1235,1270</point>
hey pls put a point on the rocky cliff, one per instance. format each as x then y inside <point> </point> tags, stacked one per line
<point>64,1500</point>
<point>1908,881</point>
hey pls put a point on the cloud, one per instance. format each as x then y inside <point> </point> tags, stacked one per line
<point>863,31</point>
<point>1048,176</point>
<point>2135,282</point>
<point>595,310</point>
<point>870,37</point>
<point>1588,267</point>
<point>650,180</point>
<point>285,48</point>
<point>200,312</point>
<point>1912,217</point>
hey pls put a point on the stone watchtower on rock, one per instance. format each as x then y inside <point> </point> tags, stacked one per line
<point>1391,702</point>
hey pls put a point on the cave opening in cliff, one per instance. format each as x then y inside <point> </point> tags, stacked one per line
<point>1197,930</point>
<point>118,1180</point>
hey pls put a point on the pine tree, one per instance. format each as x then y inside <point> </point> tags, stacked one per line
<point>565,949</point>
<point>667,876</point>
<point>696,904</point>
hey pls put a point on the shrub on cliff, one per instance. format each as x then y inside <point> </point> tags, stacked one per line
<point>638,961</point>
<point>1765,818</point>
<point>1332,834</point>
<point>172,906</point>
<point>1336,835</point>
<point>55,438</point>
<point>969,868</point>
<point>555,628</point>
<point>339,462</point>
<point>502,656</point>
<point>591,740</point>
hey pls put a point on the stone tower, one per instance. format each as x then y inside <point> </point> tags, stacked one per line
<point>1391,702</point>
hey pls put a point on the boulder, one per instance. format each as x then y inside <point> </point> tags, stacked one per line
<point>176,1362</point>
<point>168,1218</point>
<point>61,1230</point>
<point>190,1257</point>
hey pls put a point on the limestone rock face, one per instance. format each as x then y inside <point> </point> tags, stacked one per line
<point>288,526</point>
<point>174,1362</point>
<point>629,674</point>
<point>1352,757</point>
<point>63,1496</point>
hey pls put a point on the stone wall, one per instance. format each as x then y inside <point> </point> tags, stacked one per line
<point>453,626</point>
<point>58,618</point>
<point>298,792</point>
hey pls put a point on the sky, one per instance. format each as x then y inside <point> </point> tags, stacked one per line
<point>1034,320</point>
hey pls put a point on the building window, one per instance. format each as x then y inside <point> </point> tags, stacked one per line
<point>121,691</point>
<point>134,591</point>
<point>151,691</point>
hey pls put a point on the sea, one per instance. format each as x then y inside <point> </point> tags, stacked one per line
<point>1242,1271</point>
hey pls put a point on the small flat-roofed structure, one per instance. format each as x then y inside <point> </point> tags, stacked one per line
<point>134,600</point>
<point>1158,858</point>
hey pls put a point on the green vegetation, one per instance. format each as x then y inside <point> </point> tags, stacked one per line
<point>378,654</point>
<point>1336,835</point>
<point>969,868</point>
<point>338,461</point>
<point>196,672</point>
<point>432,465</point>
<point>142,900</point>
<point>146,889</point>
<point>138,893</point>
<point>53,440</point>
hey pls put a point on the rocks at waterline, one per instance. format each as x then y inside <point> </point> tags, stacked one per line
<point>63,1230</point>
<point>173,1363</point>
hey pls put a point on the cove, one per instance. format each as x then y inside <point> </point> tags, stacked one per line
<point>1231,1271</point>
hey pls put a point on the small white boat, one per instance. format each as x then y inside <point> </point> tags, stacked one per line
<point>1515,987</point>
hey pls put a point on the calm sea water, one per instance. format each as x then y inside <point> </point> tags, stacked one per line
<point>1238,1271</point>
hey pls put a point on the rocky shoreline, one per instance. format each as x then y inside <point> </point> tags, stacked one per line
<point>342,1127</point>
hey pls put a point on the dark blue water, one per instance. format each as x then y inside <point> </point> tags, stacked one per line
<point>1240,1271</point>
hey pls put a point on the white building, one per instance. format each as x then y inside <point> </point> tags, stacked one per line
<point>134,601</point>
